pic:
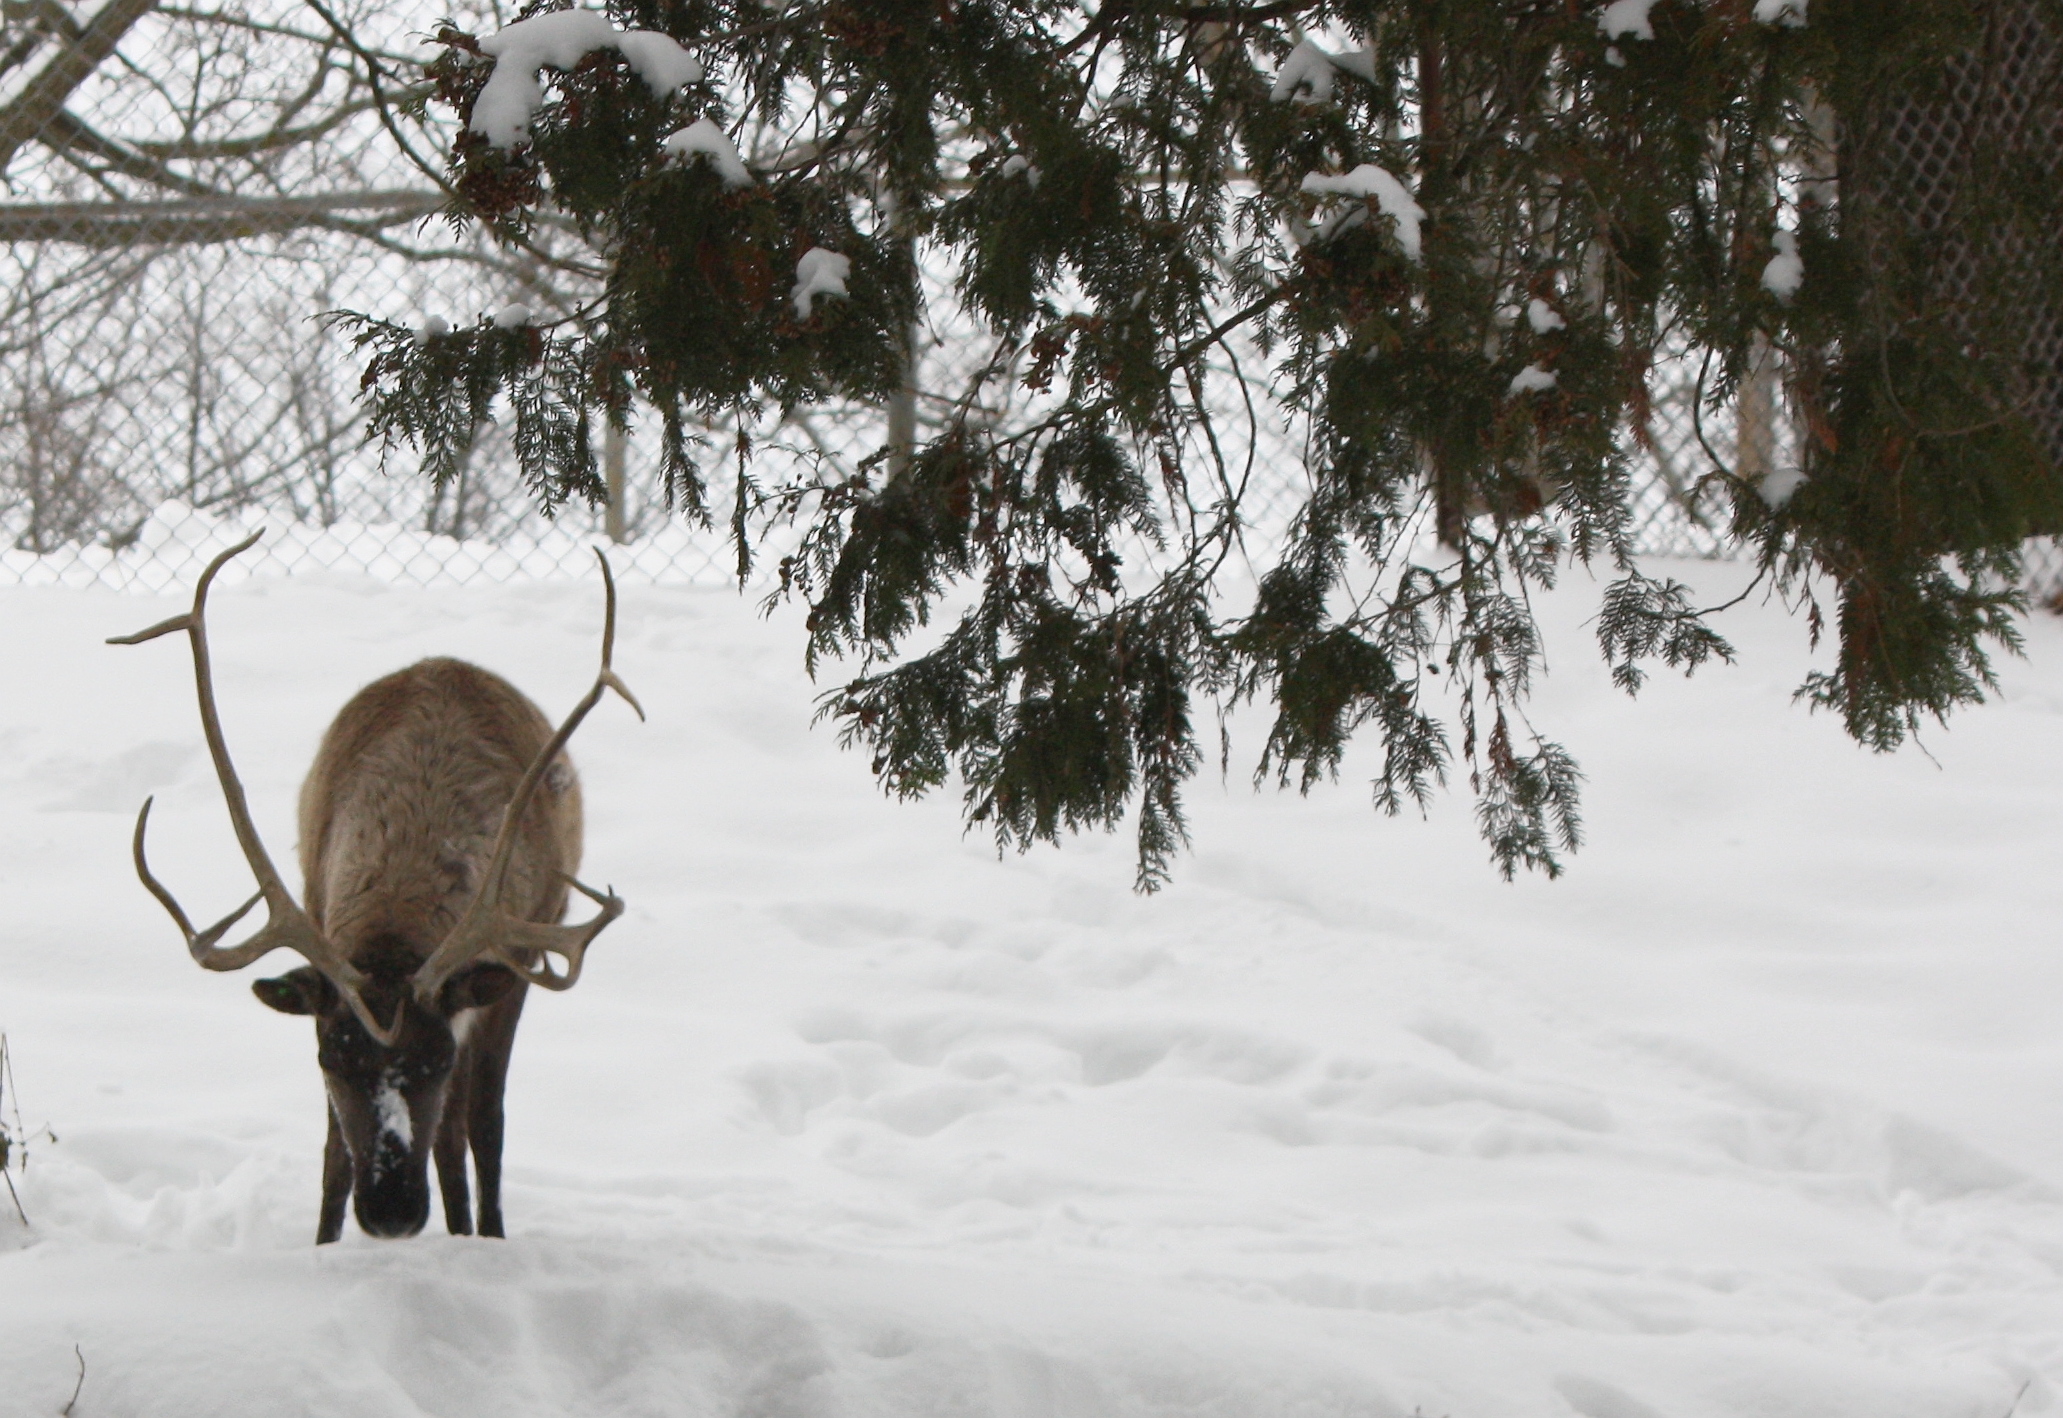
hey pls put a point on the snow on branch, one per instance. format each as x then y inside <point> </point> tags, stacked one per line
<point>1018,163</point>
<point>562,39</point>
<point>819,272</point>
<point>1786,270</point>
<point>704,139</point>
<point>1624,17</point>
<point>1392,196</point>
<point>1306,75</point>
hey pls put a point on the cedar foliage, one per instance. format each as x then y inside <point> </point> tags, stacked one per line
<point>1123,203</point>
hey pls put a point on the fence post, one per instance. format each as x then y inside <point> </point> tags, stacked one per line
<point>902,404</point>
<point>612,477</point>
<point>1755,416</point>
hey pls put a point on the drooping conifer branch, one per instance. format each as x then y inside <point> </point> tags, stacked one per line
<point>1443,244</point>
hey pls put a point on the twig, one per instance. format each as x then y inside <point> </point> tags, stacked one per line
<point>16,1138</point>
<point>17,1198</point>
<point>1729,605</point>
<point>66,1411</point>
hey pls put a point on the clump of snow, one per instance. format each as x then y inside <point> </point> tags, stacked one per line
<point>659,60</point>
<point>704,139</point>
<point>1613,57</point>
<point>1392,196</point>
<point>430,329</point>
<point>513,316</point>
<point>1532,379</point>
<point>1788,13</point>
<point>1305,76</point>
<point>1779,485</point>
<point>1786,270</point>
<point>562,39</point>
<point>1017,163</point>
<point>1543,317</point>
<point>1360,62</point>
<point>819,272</point>
<point>1627,17</point>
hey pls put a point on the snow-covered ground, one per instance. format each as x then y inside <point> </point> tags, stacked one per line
<point>1758,1111</point>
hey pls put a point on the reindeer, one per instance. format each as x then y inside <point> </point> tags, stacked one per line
<point>440,829</point>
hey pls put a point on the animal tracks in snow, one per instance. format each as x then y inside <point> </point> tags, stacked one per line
<point>1033,1015</point>
<point>959,1060</point>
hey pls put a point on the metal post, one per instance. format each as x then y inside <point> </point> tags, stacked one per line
<point>612,477</point>
<point>1755,416</point>
<point>902,405</point>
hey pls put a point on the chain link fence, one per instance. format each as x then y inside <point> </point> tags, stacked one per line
<point>189,188</point>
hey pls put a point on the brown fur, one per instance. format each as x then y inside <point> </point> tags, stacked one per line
<point>400,809</point>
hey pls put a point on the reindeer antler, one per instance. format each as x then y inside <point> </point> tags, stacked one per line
<point>287,924</point>
<point>486,930</point>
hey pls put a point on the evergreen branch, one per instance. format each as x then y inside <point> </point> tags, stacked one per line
<point>1463,350</point>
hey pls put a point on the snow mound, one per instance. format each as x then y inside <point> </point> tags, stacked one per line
<point>176,541</point>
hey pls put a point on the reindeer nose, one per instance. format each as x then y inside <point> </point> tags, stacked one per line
<point>395,1208</point>
<point>394,1223</point>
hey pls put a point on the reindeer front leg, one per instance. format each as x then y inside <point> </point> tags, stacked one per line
<point>493,1037</point>
<point>336,1183</point>
<point>450,1152</point>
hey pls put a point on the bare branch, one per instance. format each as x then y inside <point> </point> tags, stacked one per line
<point>44,96</point>
<point>197,220</point>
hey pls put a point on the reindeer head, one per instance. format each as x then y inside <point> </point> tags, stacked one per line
<point>388,1098</point>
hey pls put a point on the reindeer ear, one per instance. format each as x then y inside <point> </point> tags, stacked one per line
<point>475,988</point>
<point>302,991</point>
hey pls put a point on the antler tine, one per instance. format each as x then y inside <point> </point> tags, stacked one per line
<point>287,924</point>
<point>542,942</point>
<point>194,623</point>
<point>200,945</point>
<point>485,929</point>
